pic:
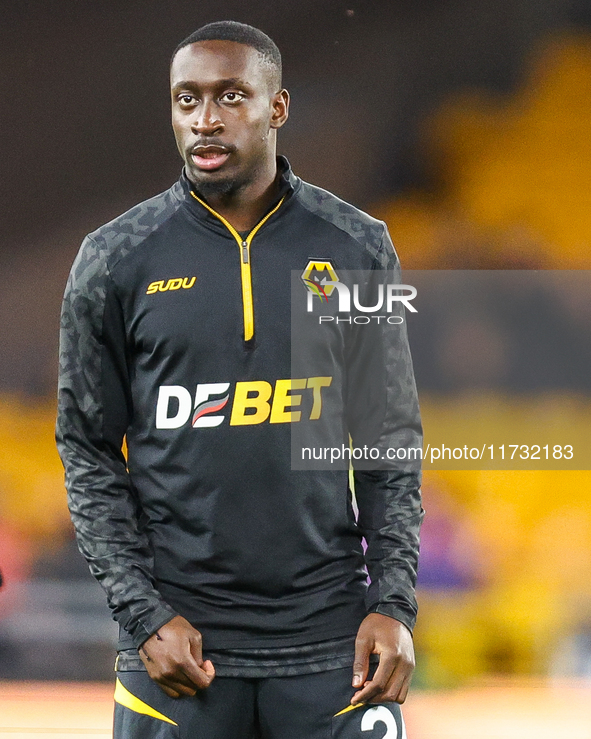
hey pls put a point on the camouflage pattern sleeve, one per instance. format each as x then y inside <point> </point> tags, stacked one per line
<point>383,412</point>
<point>94,409</point>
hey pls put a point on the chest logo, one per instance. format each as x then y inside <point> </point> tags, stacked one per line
<point>162,286</point>
<point>254,402</point>
<point>315,276</point>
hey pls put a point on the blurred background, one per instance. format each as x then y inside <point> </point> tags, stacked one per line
<point>465,125</point>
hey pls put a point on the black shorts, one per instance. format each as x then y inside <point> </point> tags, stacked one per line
<point>313,706</point>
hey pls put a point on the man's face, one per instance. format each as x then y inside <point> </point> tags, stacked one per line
<point>224,112</point>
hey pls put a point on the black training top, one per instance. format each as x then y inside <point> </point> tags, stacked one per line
<point>176,337</point>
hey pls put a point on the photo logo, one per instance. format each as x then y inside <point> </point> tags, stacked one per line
<point>393,294</point>
<point>321,282</point>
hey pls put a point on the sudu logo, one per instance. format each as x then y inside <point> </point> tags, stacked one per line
<point>160,286</point>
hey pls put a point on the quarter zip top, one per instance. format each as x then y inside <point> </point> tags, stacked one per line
<point>245,271</point>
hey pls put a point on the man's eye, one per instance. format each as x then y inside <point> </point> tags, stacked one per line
<point>186,99</point>
<point>232,97</point>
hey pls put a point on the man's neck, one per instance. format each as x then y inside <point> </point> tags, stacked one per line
<point>245,208</point>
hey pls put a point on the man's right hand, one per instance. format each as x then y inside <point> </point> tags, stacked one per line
<point>174,660</point>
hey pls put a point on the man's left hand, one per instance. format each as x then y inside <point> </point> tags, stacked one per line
<point>379,634</point>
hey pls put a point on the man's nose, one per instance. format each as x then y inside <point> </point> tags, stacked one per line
<point>207,121</point>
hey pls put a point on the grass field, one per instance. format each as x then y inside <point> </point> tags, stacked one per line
<point>497,710</point>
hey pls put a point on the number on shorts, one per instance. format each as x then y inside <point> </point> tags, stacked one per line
<point>381,713</point>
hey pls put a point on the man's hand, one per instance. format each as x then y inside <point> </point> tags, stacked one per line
<point>390,639</point>
<point>173,659</point>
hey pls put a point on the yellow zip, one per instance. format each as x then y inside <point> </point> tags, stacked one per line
<point>245,273</point>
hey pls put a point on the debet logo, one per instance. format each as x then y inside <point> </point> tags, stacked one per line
<point>254,402</point>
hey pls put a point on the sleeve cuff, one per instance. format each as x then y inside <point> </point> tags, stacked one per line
<point>396,612</point>
<point>144,630</point>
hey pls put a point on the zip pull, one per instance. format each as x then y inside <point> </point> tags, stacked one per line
<point>245,252</point>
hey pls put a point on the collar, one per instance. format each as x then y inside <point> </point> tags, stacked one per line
<point>288,184</point>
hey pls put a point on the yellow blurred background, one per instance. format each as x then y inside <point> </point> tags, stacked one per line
<point>515,192</point>
<point>513,173</point>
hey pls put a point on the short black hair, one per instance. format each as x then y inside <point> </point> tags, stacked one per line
<point>241,33</point>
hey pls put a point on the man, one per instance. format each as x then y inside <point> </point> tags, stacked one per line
<point>238,583</point>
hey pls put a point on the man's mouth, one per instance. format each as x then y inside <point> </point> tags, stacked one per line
<point>209,157</point>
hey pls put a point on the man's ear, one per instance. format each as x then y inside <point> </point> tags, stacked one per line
<point>280,105</point>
